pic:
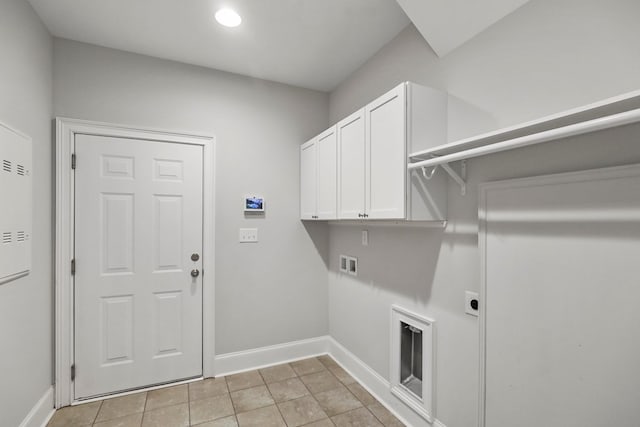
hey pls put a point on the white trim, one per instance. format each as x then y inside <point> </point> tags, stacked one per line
<point>66,129</point>
<point>247,360</point>
<point>377,385</point>
<point>609,173</point>
<point>136,391</point>
<point>41,412</point>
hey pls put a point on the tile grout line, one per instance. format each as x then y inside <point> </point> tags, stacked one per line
<point>345,386</point>
<point>274,400</point>
<point>97,412</point>
<point>189,402</point>
<point>144,407</point>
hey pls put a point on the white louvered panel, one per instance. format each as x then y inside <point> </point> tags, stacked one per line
<point>15,199</point>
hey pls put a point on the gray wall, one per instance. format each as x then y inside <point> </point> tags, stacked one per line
<point>26,329</point>
<point>266,293</point>
<point>548,56</point>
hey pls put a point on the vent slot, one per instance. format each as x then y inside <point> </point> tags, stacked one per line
<point>6,166</point>
<point>6,238</point>
<point>20,170</point>
<point>21,236</point>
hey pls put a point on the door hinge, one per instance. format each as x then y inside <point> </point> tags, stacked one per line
<point>73,267</point>
<point>73,372</point>
<point>73,161</point>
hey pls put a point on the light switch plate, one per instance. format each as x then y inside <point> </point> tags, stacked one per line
<point>365,238</point>
<point>248,235</point>
<point>469,297</point>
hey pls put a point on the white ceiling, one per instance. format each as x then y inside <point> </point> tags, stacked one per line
<point>447,24</point>
<point>309,43</point>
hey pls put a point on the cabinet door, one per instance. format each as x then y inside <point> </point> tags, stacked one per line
<point>308,180</point>
<point>351,171</point>
<point>327,174</point>
<point>386,155</point>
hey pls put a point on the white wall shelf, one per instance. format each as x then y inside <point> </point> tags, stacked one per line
<point>612,112</point>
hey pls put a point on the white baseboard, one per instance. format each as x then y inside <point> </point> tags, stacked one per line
<point>41,412</point>
<point>378,386</point>
<point>231,363</point>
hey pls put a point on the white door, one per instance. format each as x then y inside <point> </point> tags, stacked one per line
<point>138,310</point>
<point>351,159</point>
<point>327,178</point>
<point>561,299</point>
<point>386,155</point>
<point>308,180</point>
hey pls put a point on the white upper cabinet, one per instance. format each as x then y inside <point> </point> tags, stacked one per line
<point>327,175</point>
<point>386,157</point>
<point>308,180</point>
<point>318,177</point>
<point>360,169</point>
<point>351,166</point>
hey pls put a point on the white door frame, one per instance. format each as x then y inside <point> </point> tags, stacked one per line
<point>66,129</point>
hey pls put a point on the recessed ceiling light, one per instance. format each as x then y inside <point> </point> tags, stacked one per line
<point>228,18</point>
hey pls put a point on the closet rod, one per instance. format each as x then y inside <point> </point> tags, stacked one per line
<point>581,128</point>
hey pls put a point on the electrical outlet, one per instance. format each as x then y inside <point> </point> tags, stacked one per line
<point>365,238</point>
<point>248,235</point>
<point>353,266</point>
<point>471,303</point>
<point>349,264</point>
<point>344,263</point>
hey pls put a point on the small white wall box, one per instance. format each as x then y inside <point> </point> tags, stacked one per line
<point>16,211</point>
<point>349,264</point>
<point>253,204</point>
<point>413,361</point>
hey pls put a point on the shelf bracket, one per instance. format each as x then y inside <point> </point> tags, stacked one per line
<point>460,179</point>
<point>429,175</point>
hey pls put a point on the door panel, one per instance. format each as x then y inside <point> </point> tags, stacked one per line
<point>117,329</point>
<point>167,323</point>
<point>351,169</point>
<point>168,248</point>
<point>117,233</point>
<point>138,311</point>
<point>308,180</point>
<point>386,136</point>
<point>327,185</point>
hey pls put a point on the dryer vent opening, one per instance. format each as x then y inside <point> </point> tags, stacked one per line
<point>411,373</point>
<point>411,358</point>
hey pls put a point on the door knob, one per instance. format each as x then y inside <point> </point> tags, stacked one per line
<point>195,273</point>
<point>195,257</point>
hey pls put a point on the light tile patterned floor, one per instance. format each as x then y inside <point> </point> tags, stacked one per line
<point>313,392</point>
